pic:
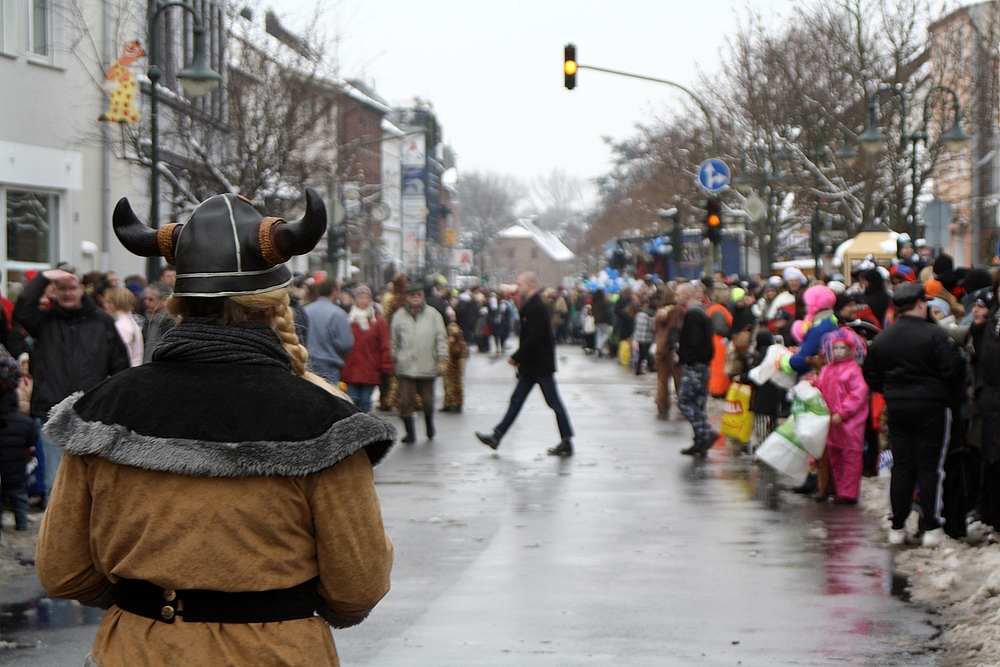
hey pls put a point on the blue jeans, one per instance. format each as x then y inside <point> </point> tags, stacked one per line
<point>361,394</point>
<point>328,372</point>
<point>52,453</point>
<point>18,499</point>
<point>548,385</point>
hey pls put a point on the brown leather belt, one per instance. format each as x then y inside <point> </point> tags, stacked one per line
<point>200,606</point>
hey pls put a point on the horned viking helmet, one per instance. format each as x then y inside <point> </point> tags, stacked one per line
<point>226,248</point>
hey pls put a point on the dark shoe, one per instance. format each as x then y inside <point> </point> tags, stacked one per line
<point>694,450</point>
<point>564,449</point>
<point>807,487</point>
<point>491,440</point>
<point>410,436</point>
<point>429,423</point>
<point>839,500</point>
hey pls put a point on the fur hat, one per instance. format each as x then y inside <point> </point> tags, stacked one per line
<point>817,298</point>
<point>791,273</point>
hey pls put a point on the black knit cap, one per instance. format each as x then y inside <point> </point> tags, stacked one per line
<point>943,264</point>
<point>843,299</point>
<point>977,279</point>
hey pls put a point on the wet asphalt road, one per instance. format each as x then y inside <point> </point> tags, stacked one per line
<point>625,554</point>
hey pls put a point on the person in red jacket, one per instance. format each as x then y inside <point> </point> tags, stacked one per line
<point>371,356</point>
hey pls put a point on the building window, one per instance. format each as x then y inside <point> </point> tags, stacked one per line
<point>510,253</point>
<point>41,28</point>
<point>31,223</point>
<point>534,253</point>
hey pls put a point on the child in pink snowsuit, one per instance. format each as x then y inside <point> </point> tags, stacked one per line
<point>846,394</point>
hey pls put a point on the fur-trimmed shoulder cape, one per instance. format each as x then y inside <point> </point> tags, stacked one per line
<point>216,420</point>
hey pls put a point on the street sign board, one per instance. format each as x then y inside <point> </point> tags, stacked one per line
<point>462,258</point>
<point>713,175</point>
<point>755,207</point>
<point>938,214</point>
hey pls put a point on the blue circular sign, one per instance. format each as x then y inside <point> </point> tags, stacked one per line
<point>713,175</point>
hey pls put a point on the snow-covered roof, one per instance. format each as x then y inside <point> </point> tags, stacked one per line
<point>526,229</point>
<point>389,129</point>
<point>364,94</point>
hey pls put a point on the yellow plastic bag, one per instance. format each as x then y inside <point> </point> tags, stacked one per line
<point>737,421</point>
<point>625,352</point>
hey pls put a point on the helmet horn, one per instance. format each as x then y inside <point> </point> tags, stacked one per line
<point>298,238</point>
<point>134,235</point>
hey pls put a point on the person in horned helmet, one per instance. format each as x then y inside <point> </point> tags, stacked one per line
<point>219,501</point>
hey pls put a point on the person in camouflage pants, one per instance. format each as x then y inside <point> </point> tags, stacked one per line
<point>454,378</point>
<point>694,351</point>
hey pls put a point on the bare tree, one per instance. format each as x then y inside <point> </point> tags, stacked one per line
<point>489,205</point>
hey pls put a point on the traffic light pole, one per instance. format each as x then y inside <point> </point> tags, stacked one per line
<point>708,114</point>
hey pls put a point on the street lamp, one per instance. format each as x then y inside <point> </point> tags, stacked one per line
<point>197,79</point>
<point>873,141</point>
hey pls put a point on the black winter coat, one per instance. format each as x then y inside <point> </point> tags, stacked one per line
<point>74,350</point>
<point>695,342</point>
<point>536,354</point>
<point>16,436</point>
<point>916,363</point>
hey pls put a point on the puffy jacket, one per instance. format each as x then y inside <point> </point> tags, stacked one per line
<point>536,353</point>
<point>371,356</point>
<point>916,362</point>
<point>418,342</point>
<point>695,341</point>
<point>16,436</point>
<point>74,350</point>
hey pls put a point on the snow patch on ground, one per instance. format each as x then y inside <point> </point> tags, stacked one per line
<point>960,580</point>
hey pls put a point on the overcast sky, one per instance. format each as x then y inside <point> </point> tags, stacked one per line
<point>493,69</point>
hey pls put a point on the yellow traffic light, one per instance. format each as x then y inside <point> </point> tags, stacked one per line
<point>570,66</point>
<point>713,221</point>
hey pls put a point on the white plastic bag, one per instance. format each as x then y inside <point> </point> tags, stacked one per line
<point>784,455</point>
<point>812,418</point>
<point>768,369</point>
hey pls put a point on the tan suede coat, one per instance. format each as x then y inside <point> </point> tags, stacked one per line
<point>106,521</point>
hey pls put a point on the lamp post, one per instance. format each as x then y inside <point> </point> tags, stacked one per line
<point>197,79</point>
<point>873,141</point>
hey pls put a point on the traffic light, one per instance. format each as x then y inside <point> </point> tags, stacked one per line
<point>336,243</point>
<point>677,241</point>
<point>713,220</point>
<point>569,66</point>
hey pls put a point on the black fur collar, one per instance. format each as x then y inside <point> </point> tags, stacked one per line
<point>228,420</point>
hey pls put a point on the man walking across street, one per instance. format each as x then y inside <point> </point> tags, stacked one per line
<point>536,364</point>
<point>918,368</point>
<point>330,337</point>
<point>694,352</point>
<point>419,355</point>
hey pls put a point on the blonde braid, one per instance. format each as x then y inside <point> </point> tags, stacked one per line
<point>283,323</point>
